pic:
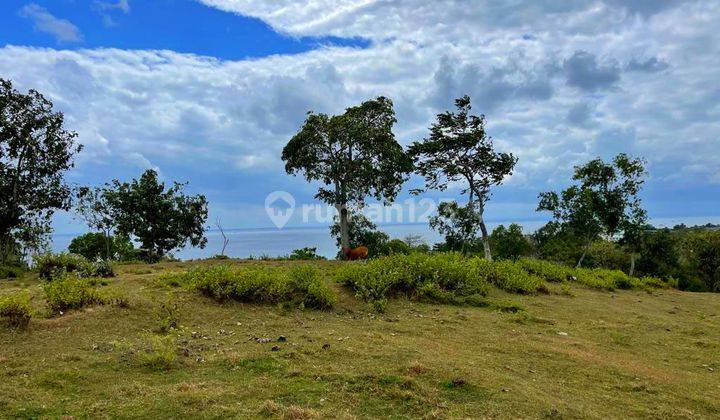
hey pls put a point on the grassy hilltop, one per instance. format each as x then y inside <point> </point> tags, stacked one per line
<point>162,341</point>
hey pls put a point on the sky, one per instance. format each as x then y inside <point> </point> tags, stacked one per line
<point>209,91</point>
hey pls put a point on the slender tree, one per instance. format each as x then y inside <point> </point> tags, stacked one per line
<point>35,153</point>
<point>94,209</point>
<point>459,149</point>
<point>355,155</point>
<point>604,202</point>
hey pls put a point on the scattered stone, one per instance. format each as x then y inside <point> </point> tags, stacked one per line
<point>564,334</point>
<point>458,382</point>
<point>506,390</point>
<point>262,340</point>
<point>282,339</point>
<point>275,348</point>
<point>711,369</point>
<point>326,346</point>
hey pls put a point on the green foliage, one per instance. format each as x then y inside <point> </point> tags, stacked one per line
<point>509,243</point>
<point>459,149</point>
<point>15,310</point>
<point>11,272</point>
<point>700,258</point>
<point>305,254</point>
<point>159,353</point>
<point>443,278</point>
<point>51,266</point>
<point>510,276</point>
<point>555,273</point>
<point>354,155</point>
<point>69,292</point>
<point>301,286</point>
<point>459,224</point>
<point>604,201</point>
<point>395,246</point>
<point>96,245</point>
<point>35,153</point>
<point>162,219</point>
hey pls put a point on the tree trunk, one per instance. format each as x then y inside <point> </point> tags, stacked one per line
<point>107,245</point>
<point>582,257</point>
<point>485,239</point>
<point>632,264</point>
<point>344,226</point>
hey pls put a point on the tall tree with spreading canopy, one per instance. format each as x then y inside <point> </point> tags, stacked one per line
<point>160,219</point>
<point>92,206</point>
<point>604,202</point>
<point>355,155</point>
<point>459,149</point>
<point>36,151</point>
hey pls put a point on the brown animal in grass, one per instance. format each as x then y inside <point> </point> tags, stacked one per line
<point>359,253</point>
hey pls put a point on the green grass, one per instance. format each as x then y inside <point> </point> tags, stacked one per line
<point>640,352</point>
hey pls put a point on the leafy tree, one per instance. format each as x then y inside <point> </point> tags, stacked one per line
<point>355,155</point>
<point>660,254</point>
<point>94,246</point>
<point>361,231</point>
<point>459,224</point>
<point>161,219</point>
<point>93,208</point>
<point>35,153</point>
<point>604,202</point>
<point>701,260</point>
<point>458,149</point>
<point>510,243</point>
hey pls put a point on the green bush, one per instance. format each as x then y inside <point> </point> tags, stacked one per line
<point>159,354</point>
<point>301,286</point>
<point>510,276</point>
<point>555,273</point>
<point>15,309</point>
<point>395,246</point>
<point>11,272</point>
<point>69,292</point>
<point>95,245</point>
<point>305,254</point>
<point>441,278</point>
<point>51,266</point>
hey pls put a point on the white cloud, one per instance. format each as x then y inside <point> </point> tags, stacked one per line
<point>63,30</point>
<point>189,114</point>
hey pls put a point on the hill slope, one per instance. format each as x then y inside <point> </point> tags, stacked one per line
<point>592,354</point>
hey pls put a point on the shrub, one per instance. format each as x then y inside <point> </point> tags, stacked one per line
<point>159,353</point>
<point>51,266</point>
<point>11,272</point>
<point>441,278</point>
<point>15,309</point>
<point>551,272</point>
<point>305,254</point>
<point>510,276</point>
<point>70,292</point>
<point>395,246</point>
<point>301,286</point>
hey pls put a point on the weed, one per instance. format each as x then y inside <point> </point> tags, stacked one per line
<point>15,309</point>
<point>70,293</point>
<point>159,353</point>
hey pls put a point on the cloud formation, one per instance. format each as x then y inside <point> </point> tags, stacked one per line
<point>560,83</point>
<point>63,30</point>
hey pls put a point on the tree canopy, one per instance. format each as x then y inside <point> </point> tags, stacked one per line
<point>604,202</point>
<point>354,155</point>
<point>161,219</point>
<point>35,153</point>
<point>459,149</point>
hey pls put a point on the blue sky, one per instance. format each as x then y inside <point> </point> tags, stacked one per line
<point>209,91</point>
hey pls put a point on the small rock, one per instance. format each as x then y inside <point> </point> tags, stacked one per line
<point>711,370</point>
<point>282,339</point>
<point>275,348</point>
<point>326,346</point>
<point>506,390</point>
<point>564,334</point>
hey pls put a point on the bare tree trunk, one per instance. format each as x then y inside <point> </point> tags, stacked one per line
<point>226,241</point>
<point>632,264</point>
<point>485,239</point>
<point>582,257</point>
<point>107,244</point>
<point>344,226</point>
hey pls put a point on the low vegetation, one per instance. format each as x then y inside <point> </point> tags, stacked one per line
<point>51,266</point>
<point>69,292</point>
<point>301,286</point>
<point>15,310</point>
